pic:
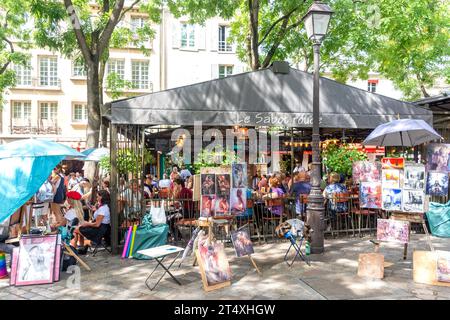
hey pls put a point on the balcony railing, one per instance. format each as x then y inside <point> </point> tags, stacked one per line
<point>27,127</point>
<point>225,46</point>
<point>41,83</point>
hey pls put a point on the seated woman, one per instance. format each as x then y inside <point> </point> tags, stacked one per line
<point>331,190</point>
<point>275,193</point>
<point>74,215</point>
<point>96,229</point>
<point>301,186</point>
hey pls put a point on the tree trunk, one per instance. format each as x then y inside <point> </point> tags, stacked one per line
<point>93,105</point>
<point>254,35</point>
<point>103,128</point>
<point>424,91</point>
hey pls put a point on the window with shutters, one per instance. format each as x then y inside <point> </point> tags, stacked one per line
<point>23,74</point>
<point>187,36</point>
<point>48,71</point>
<point>139,74</point>
<point>224,39</point>
<point>225,71</point>
<point>117,66</point>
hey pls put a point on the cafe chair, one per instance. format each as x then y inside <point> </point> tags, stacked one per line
<point>270,220</point>
<point>104,244</point>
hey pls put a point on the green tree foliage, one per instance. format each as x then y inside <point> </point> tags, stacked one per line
<point>14,37</point>
<point>212,159</point>
<point>340,158</point>
<point>128,161</point>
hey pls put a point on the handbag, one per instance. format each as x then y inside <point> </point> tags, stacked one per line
<point>158,214</point>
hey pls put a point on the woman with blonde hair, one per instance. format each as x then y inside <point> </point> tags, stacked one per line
<point>335,187</point>
<point>74,215</point>
<point>275,192</point>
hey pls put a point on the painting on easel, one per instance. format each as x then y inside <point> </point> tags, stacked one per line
<point>242,243</point>
<point>214,267</point>
<point>443,266</point>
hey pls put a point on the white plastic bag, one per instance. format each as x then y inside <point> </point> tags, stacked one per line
<point>158,214</point>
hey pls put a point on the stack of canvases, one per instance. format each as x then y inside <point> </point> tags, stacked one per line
<point>37,260</point>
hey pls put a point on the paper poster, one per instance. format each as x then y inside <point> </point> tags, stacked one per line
<point>222,205</point>
<point>443,266</point>
<point>214,261</point>
<point>438,157</point>
<point>392,199</point>
<point>393,163</point>
<point>223,184</point>
<point>239,171</point>
<point>437,183</point>
<point>238,201</point>
<point>413,200</point>
<point>370,195</point>
<point>365,171</point>
<point>390,178</point>
<point>393,230</point>
<point>414,177</point>
<point>208,185</point>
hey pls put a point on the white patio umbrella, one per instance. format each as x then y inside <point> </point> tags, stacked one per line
<point>95,154</point>
<point>402,132</point>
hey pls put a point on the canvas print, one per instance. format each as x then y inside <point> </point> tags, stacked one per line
<point>366,171</point>
<point>214,261</point>
<point>242,243</point>
<point>222,205</point>
<point>208,203</point>
<point>443,266</point>
<point>36,260</point>
<point>392,199</point>
<point>414,177</point>
<point>14,262</point>
<point>223,184</point>
<point>390,178</point>
<point>393,230</point>
<point>393,163</point>
<point>438,157</point>
<point>437,183</point>
<point>413,201</point>
<point>238,201</point>
<point>370,195</point>
<point>208,184</point>
<point>239,171</point>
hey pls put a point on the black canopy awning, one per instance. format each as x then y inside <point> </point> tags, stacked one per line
<point>263,98</point>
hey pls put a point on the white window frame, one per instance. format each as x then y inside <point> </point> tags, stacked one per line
<point>113,66</point>
<point>23,74</point>
<point>78,66</point>
<point>225,73</point>
<point>141,23</point>
<point>48,71</point>
<point>24,111</point>
<point>189,31</point>
<point>372,87</point>
<point>138,74</point>
<point>52,110</point>
<point>224,45</point>
<point>84,113</point>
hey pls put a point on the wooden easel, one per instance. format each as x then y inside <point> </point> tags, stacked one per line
<point>413,218</point>
<point>73,254</point>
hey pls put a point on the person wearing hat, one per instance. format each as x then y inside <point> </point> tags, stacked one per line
<point>74,215</point>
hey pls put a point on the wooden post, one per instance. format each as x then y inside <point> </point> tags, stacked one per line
<point>254,263</point>
<point>114,190</point>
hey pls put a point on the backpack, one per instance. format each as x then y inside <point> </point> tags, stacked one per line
<point>60,194</point>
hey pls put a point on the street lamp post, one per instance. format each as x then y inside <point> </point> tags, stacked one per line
<point>316,22</point>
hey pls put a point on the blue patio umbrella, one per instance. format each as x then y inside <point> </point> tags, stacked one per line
<point>24,166</point>
<point>95,154</point>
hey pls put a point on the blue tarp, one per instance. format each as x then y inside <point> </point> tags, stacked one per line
<point>24,166</point>
<point>20,179</point>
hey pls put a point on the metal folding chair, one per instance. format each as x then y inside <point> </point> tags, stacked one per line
<point>296,237</point>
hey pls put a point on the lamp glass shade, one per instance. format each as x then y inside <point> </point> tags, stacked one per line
<point>317,20</point>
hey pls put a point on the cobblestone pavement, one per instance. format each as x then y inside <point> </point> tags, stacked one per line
<point>332,275</point>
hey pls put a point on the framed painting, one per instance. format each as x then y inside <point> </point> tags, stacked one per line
<point>414,177</point>
<point>213,263</point>
<point>366,171</point>
<point>208,185</point>
<point>393,230</point>
<point>443,266</point>
<point>438,157</point>
<point>437,183</point>
<point>392,199</point>
<point>390,178</point>
<point>413,200</point>
<point>370,195</point>
<point>37,256</point>
<point>208,206</point>
<point>393,163</point>
<point>238,201</point>
<point>239,172</point>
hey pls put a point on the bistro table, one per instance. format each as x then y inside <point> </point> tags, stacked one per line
<point>159,253</point>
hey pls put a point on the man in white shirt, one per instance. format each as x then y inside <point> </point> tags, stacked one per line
<point>185,173</point>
